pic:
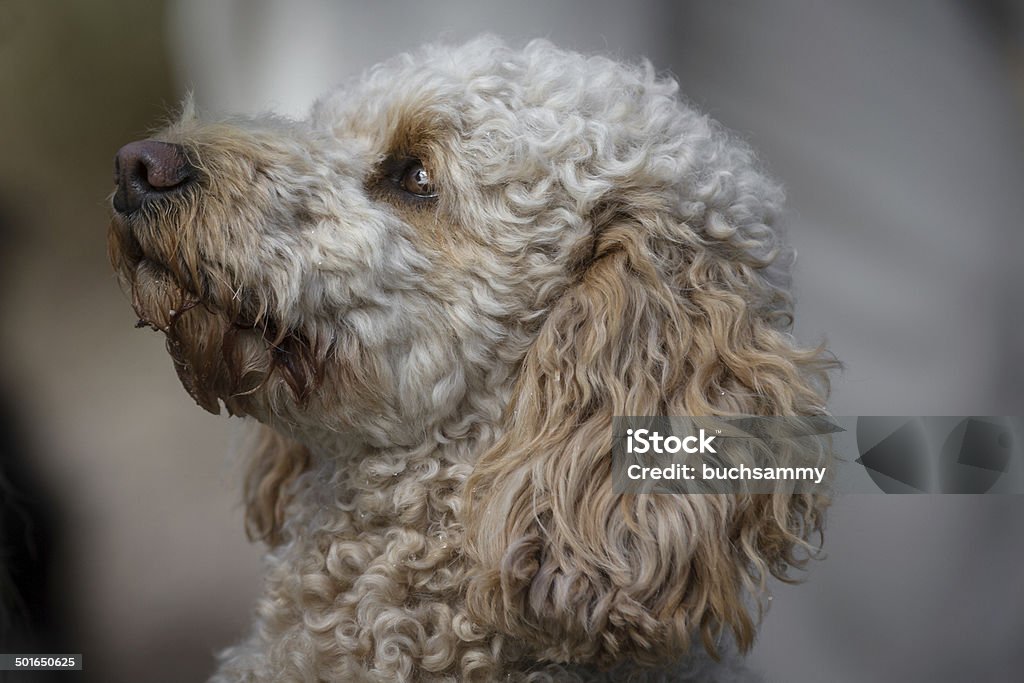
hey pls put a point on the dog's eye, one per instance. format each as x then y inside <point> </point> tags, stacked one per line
<point>415,180</point>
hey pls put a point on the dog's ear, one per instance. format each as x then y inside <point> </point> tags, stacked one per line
<point>275,463</point>
<point>661,321</point>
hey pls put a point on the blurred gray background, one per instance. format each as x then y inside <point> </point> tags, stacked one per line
<point>896,128</point>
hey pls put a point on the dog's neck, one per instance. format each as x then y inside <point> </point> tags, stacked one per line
<point>410,469</point>
<point>418,485</point>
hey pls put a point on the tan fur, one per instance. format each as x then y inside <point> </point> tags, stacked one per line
<point>435,379</point>
<point>560,557</point>
<point>275,464</point>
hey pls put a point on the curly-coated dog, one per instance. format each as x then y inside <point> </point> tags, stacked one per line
<point>434,294</point>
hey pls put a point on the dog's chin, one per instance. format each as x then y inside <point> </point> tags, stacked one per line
<point>158,298</point>
<point>227,356</point>
<point>217,359</point>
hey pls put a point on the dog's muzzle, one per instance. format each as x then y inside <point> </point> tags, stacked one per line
<point>149,170</point>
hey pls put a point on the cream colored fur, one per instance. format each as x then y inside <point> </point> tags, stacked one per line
<point>436,377</point>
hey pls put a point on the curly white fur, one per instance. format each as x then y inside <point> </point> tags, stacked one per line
<point>597,247</point>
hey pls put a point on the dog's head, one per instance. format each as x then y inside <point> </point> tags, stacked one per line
<point>515,244</point>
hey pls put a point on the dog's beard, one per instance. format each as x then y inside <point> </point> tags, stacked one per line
<point>224,344</point>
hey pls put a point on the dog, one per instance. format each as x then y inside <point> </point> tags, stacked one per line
<point>432,296</point>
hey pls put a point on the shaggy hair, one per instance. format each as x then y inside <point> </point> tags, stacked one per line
<point>435,373</point>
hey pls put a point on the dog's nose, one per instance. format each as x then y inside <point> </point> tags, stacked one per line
<point>149,169</point>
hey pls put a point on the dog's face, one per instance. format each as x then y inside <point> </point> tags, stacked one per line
<point>529,240</point>
<point>373,267</point>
